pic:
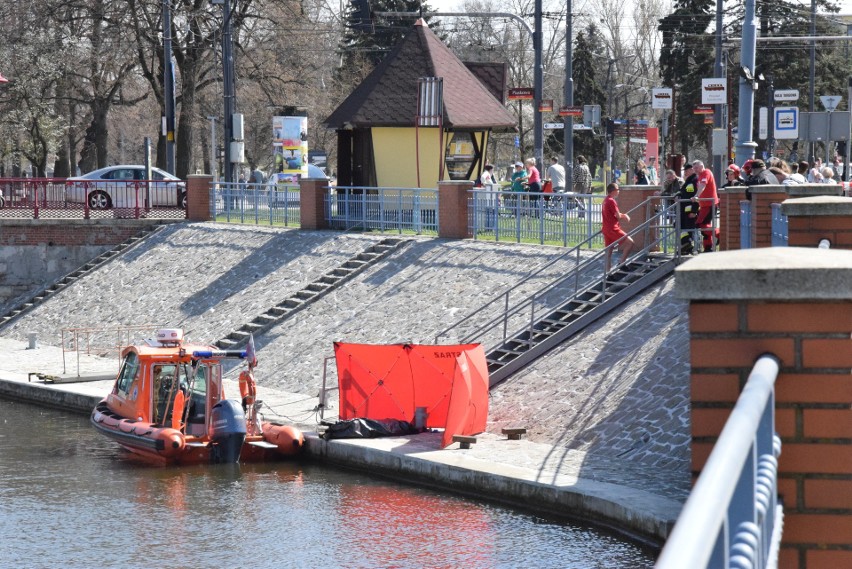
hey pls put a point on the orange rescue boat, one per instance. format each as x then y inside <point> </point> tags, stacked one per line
<point>168,406</point>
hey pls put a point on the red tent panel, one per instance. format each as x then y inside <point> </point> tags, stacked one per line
<point>468,407</point>
<point>390,381</point>
<point>374,381</point>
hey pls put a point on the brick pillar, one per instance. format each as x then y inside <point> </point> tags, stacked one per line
<point>630,197</point>
<point>729,217</point>
<point>198,197</point>
<point>312,203</point>
<point>809,220</point>
<point>795,303</point>
<point>762,198</point>
<point>452,209</point>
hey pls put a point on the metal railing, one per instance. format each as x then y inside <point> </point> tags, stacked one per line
<point>535,217</point>
<point>394,210</point>
<point>60,198</point>
<point>731,518</point>
<point>492,321</point>
<point>779,226</point>
<point>100,341</point>
<point>259,204</point>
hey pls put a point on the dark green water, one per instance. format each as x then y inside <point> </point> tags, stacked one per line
<point>69,498</point>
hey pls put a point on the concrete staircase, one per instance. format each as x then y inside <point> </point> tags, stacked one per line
<point>330,281</point>
<point>73,277</point>
<point>586,306</point>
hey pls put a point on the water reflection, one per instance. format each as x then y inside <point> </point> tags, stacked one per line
<point>70,498</point>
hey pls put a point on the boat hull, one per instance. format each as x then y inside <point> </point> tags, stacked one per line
<point>164,445</point>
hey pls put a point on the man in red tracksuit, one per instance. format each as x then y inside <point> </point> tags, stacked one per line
<point>708,200</point>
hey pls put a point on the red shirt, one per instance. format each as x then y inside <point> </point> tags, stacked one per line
<point>610,216</point>
<point>534,176</point>
<point>709,189</point>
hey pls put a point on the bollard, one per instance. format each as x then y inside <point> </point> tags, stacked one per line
<point>420,418</point>
<point>33,337</point>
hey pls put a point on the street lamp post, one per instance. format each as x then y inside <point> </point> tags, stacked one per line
<point>168,88</point>
<point>213,146</point>
<point>569,100</point>
<point>228,90</point>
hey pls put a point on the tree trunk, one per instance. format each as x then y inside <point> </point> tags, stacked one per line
<point>94,154</point>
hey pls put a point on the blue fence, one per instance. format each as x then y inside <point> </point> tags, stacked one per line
<point>745,224</point>
<point>732,518</point>
<point>260,204</point>
<point>388,210</point>
<point>779,226</point>
<point>566,218</point>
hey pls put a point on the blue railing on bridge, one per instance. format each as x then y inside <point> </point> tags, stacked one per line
<point>535,217</point>
<point>731,518</point>
<point>394,210</point>
<point>260,204</point>
<point>745,224</point>
<point>779,226</point>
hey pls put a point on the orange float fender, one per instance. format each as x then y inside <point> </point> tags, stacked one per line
<point>287,438</point>
<point>248,388</point>
<point>173,441</point>
<point>177,412</point>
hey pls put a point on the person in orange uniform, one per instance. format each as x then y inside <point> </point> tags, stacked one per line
<point>611,228</point>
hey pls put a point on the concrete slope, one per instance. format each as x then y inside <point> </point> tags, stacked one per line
<point>410,297</point>
<point>206,278</point>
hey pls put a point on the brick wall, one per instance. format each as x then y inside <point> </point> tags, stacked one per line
<point>312,204</point>
<point>68,232</point>
<point>795,303</point>
<point>34,252</point>
<point>452,209</point>
<point>729,217</point>
<point>809,220</point>
<point>762,198</point>
<point>630,197</point>
<point>198,197</point>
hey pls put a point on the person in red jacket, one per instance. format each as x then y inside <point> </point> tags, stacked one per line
<point>611,229</point>
<point>708,201</point>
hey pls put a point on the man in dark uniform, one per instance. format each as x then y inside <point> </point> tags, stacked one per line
<point>688,209</point>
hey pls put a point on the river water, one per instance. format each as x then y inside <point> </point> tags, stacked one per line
<point>70,498</point>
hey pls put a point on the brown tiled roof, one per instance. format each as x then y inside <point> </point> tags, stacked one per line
<point>388,95</point>
<point>492,75</point>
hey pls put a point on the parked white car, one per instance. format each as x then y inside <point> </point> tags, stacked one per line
<point>126,186</point>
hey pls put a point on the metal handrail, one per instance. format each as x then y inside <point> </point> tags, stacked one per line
<point>724,510</point>
<point>504,296</point>
<point>529,301</point>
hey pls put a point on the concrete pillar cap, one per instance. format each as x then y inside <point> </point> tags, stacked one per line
<point>768,273</point>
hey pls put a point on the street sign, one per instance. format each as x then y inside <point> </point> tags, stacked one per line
<point>521,93</point>
<point>592,115</point>
<point>786,123</point>
<point>579,126</point>
<point>546,106</point>
<point>703,110</point>
<point>824,126</point>
<point>782,95</point>
<point>570,111</point>
<point>713,91</point>
<point>763,123</point>
<point>830,102</point>
<point>661,98</point>
<point>553,125</point>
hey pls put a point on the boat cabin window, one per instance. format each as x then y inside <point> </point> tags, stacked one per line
<point>129,370</point>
